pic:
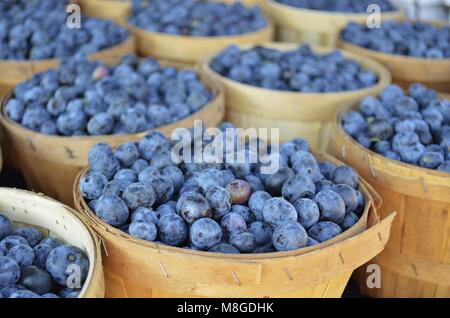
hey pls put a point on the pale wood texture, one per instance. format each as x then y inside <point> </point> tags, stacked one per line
<point>57,220</point>
<point>51,163</point>
<point>190,49</point>
<point>14,72</point>
<point>313,26</point>
<point>307,115</point>
<point>136,268</point>
<point>416,261</point>
<point>405,70</point>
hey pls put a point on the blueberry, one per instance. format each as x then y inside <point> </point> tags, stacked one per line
<point>139,165</point>
<point>243,241</point>
<point>308,212</point>
<point>105,163</point>
<point>139,194</point>
<point>41,252</point>
<point>6,227</point>
<point>100,124</point>
<point>220,201</point>
<point>297,187</point>
<point>331,206</point>
<point>380,129</point>
<point>349,195</point>
<point>324,231</point>
<point>274,182</point>
<point>126,175</point>
<point>431,160</point>
<point>262,232</point>
<point>304,163</point>
<point>22,254</point>
<point>346,175</point>
<point>244,211</point>
<point>172,229</point>
<point>205,233</point>
<point>327,169</point>
<point>289,236</point>
<point>112,210</point>
<point>233,222</point>
<point>15,109</point>
<point>165,208</point>
<point>256,203</point>
<point>145,230</point>
<point>10,289</point>
<point>144,215</point>
<point>24,294</point>
<point>311,242</point>
<point>445,166</point>
<point>350,219</point>
<point>36,280</point>
<point>224,248</point>
<point>278,210</point>
<point>10,241</point>
<point>239,190</point>
<point>324,185</point>
<point>69,293</point>
<point>194,207</point>
<point>92,185</point>
<point>153,143</point>
<point>9,272</point>
<point>163,188</point>
<point>209,178</point>
<point>60,260</point>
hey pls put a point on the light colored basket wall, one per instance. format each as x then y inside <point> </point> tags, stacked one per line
<point>51,163</point>
<point>407,70</point>
<point>313,26</point>
<point>136,268</point>
<point>59,221</point>
<point>296,114</point>
<point>416,261</point>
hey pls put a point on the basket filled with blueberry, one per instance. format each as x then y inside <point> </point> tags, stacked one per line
<point>400,143</point>
<point>292,223</point>
<point>294,88</point>
<point>185,31</point>
<point>46,251</point>
<point>51,121</point>
<point>35,36</point>
<point>413,51</point>
<point>320,21</point>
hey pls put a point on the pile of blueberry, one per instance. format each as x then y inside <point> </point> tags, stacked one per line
<point>37,29</point>
<point>32,266</point>
<point>414,129</point>
<point>197,17</point>
<point>350,6</point>
<point>415,39</point>
<point>89,98</point>
<point>299,70</point>
<point>221,207</point>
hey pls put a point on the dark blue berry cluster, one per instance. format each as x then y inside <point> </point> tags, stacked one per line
<point>32,266</point>
<point>35,30</point>
<point>299,70</point>
<point>415,39</point>
<point>221,207</point>
<point>197,18</point>
<point>351,6</point>
<point>89,98</point>
<point>412,128</point>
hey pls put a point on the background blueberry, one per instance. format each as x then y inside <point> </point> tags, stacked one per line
<point>324,231</point>
<point>205,233</point>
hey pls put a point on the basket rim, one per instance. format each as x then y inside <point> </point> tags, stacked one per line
<point>89,214</point>
<point>382,72</point>
<point>215,87</point>
<point>329,13</point>
<point>394,163</point>
<point>128,40</point>
<point>270,27</point>
<point>94,240</point>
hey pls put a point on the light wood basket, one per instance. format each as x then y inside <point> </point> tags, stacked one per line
<point>56,220</point>
<point>416,261</point>
<point>307,115</point>
<point>313,26</point>
<point>407,70</point>
<point>13,72</point>
<point>50,164</point>
<point>137,268</point>
<point>188,50</point>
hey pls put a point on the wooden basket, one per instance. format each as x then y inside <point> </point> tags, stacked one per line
<point>416,261</point>
<point>188,50</point>
<point>14,72</point>
<point>307,115</point>
<point>50,164</point>
<point>313,26</point>
<point>406,70</point>
<point>137,268</point>
<point>57,220</point>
